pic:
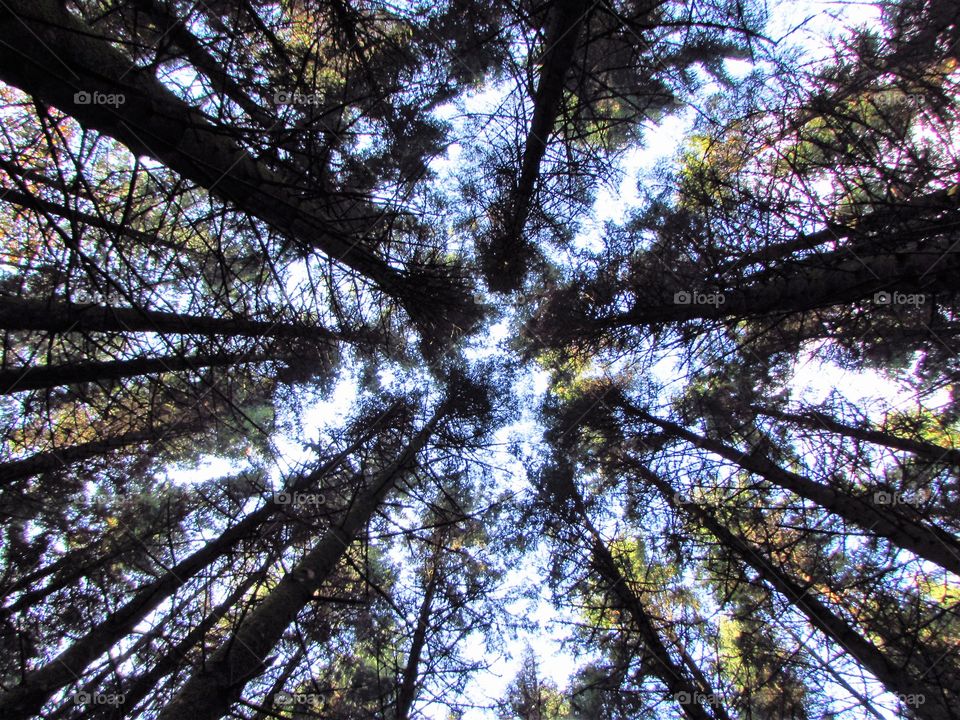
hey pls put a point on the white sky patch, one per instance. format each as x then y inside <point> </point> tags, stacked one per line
<point>545,639</point>
<point>815,24</point>
<point>738,69</point>
<point>207,468</point>
<point>814,380</point>
<point>333,411</point>
<point>661,141</point>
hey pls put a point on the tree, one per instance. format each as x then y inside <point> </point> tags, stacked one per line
<point>531,697</point>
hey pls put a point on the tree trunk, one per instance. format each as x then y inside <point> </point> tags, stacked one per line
<point>829,279</point>
<point>56,316</point>
<point>408,684</point>
<point>154,122</point>
<point>141,685</point>
<point>39,685</point>
<point>692,695</point>
<point>930,543</point>
<point>821,421</point>
<point>51,460</point>
<point>559,46</point>
<point>908,220</point>
<point>506,265</point>
<point>213,688</point>
<point>266,706</point>
<point>19,379</point>
<point>894,678</point>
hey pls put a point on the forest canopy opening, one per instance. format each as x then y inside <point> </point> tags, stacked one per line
<point>531,360</point>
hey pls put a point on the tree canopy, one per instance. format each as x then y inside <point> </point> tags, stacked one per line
<point>532,360</point>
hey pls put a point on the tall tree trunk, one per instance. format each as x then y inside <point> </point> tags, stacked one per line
<point>507,248</point>
<point>140,686</point>
<point>828,280</point>
<point>213,688</point>
<point>411,671</point>
<point>154,122</point>
<point>56,316</point>
<point>694,694</point>
<point>51,460</point>
<point>68,570</point>
<point>94,684</point>
<point>815,420</point>
<point>559,45</point>
<point>39,685</point>
<point>925,541</point>
<point>685,690</point>
<point>914,219</point>
<point>895,678</point>
<point>19,379</point>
